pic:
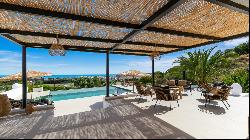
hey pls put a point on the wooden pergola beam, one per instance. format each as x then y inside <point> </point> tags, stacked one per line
<point>231,5</point>
<point>82,48</point>
<point>211,42</point>
<point>51,35</point>
<point>100,51</point>
<point>78,48</point>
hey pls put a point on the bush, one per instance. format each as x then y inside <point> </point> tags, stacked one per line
<point>242,49</point>
<point>30,87</point>
<point>51,88</point>
<point>240,76</point>
<point>145,80</point>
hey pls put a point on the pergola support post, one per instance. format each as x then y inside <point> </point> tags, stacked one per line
<point>153,72</point>
<point>24,77</point>
<point>107,74</point>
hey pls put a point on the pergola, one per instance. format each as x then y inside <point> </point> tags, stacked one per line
<point>131,27</point>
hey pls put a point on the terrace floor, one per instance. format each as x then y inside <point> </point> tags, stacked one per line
<point>124,120</point>
<point>128,118</point>
<point>211,122</point>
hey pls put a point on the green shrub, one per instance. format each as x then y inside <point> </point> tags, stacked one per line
<point>240,76</point>
<point>145,80</point>
<point>242,49</point>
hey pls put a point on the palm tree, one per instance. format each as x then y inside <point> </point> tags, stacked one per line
<point>203,65</point>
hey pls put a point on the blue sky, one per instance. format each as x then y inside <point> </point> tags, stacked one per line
<point>88,63</point>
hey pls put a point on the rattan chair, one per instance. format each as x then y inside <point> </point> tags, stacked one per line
<point>171,82</point>
<point>142,91</point>
<point>163,93</point>
<point>214,93</point>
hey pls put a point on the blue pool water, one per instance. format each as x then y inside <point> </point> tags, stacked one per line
<point>81,93</point>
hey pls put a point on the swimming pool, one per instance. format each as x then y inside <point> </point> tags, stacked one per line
<point>86,92</point>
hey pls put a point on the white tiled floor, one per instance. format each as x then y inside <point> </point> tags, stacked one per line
<point>192,117</point>
<point>212,122</point>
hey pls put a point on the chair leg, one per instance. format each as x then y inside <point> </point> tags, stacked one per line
<point>139,98</point>
<point>178,103</point>
<point>156,103</point>
<point>228,103</point>
<point>206,103</point>
<point>224,104</point>
<point>170,106</point>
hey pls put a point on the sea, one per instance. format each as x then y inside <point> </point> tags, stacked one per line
<point>74,76</point>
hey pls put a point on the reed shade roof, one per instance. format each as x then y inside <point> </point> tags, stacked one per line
<point>202,17</point>
<point>131,11</point>
<point>30,74</point>
<point>137,27</point>
<point>66,42</point>
<point>167,39</point>
<point>35,23</point>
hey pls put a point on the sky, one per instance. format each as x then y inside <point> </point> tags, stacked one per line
<point>89,63</point>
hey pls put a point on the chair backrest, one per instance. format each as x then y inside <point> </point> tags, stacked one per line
<point>224,92</point>
<point>139,88</point>
<point>182,82</point>
<point>160,95</point>
<point>165,89</point>
<point>171,82</point>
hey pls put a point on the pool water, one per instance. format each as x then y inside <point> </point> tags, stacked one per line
<point>86,92</point>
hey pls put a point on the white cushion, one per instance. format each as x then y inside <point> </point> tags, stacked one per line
<point>236,89</point>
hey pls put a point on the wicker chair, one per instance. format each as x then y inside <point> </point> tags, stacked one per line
<point>143,91</point>
<point>164,94</point>
<point>185,84</point>
<point>171,83</point>
<point>214,93</point>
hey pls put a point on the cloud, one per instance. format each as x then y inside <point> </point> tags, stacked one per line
<point>235,42</point>
<point>32,64</point>
<point>33,57</point>
<point>7,57</point>
<point>146,65</point>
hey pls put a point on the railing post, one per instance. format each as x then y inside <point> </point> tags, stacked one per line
<point>24,77</point>
<point>107,74</point>
<point>153,72</point>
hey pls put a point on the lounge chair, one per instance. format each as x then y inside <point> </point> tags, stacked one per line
<point>164,93</point>
<point>214,93</point>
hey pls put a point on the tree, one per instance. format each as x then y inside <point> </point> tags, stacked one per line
<point>242,48</point>
<point>159,78</point>
<point>240,76</point>
<point>203,65</point>
<point>145,80</point>
<point>174,73</point>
